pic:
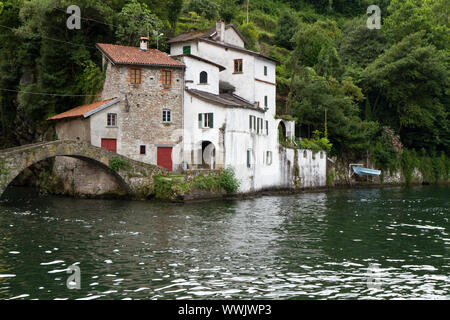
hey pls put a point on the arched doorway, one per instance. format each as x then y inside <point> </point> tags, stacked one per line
<point>208,155</point>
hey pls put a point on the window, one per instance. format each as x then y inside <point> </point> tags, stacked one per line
<point>166,77</point>
<point>142,150</point>
<point>166,115</point>
<point>187,50</point>
<point>321,154</point>
<point>249,158</point>
<point>203,77</point>
<point>111,120</point>
<point>259,125</point>
<point>205,120</point>
<point>135,76</point>
<point>266,101</point>
<point>268,158</point>
<point>305,154</point>
<point>267,127</point>
<point>238,66</point>
<point>265,70</point>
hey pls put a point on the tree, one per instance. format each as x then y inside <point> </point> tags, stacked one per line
<point>316,96</point>
<point>359,45</point>
<point>205,8</point>
<point>329,63</point>
<point>413,77</point>
<point>174,8</point>
<point>287,25</point>
<point>228,9</point>
<point>410,16</point>
<point>135,21</point>
<point>250,33</point>
<point>309,40</point>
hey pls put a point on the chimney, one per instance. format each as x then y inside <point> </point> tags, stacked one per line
<point>144,43</point>
<point>220,29</point>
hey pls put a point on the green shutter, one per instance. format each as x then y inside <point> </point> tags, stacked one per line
<point>211,120</point>
<point>248,158</point>
<point>187,50</point>
<point>250,122</point>
<point>200,120</point>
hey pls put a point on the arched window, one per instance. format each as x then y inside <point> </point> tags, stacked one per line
<point>203,77</point>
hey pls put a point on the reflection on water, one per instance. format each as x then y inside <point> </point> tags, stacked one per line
<point>305,246</point>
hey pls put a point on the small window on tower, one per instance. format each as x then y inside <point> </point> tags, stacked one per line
<point>166,77</point>
<point>238,66</point>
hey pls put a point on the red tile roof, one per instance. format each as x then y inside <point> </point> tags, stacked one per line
<point>133,55</point>
<point>81,110</point>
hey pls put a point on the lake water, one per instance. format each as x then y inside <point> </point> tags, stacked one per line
<point>390,243</point>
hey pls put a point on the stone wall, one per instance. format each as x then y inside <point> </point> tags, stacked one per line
<point>83,179</point>
<point>140,119</point>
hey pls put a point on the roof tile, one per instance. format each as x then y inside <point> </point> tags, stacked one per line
<point>133,55</point>
<point>81,110</point>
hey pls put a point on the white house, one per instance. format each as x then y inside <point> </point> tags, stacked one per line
<point>229,111</point>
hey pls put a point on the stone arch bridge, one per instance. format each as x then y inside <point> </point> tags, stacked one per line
<point>133,176</point>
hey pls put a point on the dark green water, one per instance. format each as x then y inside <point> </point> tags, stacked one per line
<point>330,245</point>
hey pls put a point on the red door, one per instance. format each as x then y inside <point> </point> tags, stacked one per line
<point>109,144</point>
<point>164,158</point>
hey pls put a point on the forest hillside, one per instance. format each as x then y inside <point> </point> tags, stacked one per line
<point>382,93</point>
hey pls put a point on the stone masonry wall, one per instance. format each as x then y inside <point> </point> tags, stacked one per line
<point>140,120</point>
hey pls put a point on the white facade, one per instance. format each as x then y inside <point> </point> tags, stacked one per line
<point>243,137</point>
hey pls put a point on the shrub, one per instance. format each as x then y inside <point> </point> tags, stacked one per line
<point>208,182</point>
<point>408,161</point>
<point>228,181</point>
<point>117,163</point>
<point>317,143</point>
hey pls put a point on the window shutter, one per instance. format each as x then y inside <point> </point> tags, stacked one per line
<point>200,120</point>
<point>248,158</point>
<point>187,50</point>
<point>211,120</point>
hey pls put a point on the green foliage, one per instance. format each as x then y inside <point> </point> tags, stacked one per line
<point>174,8</point>
<point>167,188</point>
<point>228,181</point>
<point>408,161</point>
<point>386,150</point>
<point>414,77</point>
<point>137,20</point>
<point>287,25</point>
<point>92,80</point>
<point>209,182</point>
<point>118,163</point>
<point>250,33</point>
<point>407,17</point>
<point>360,46</point>
<point>205,8</point>
<point>317,143</point>
<point>228,9</point>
